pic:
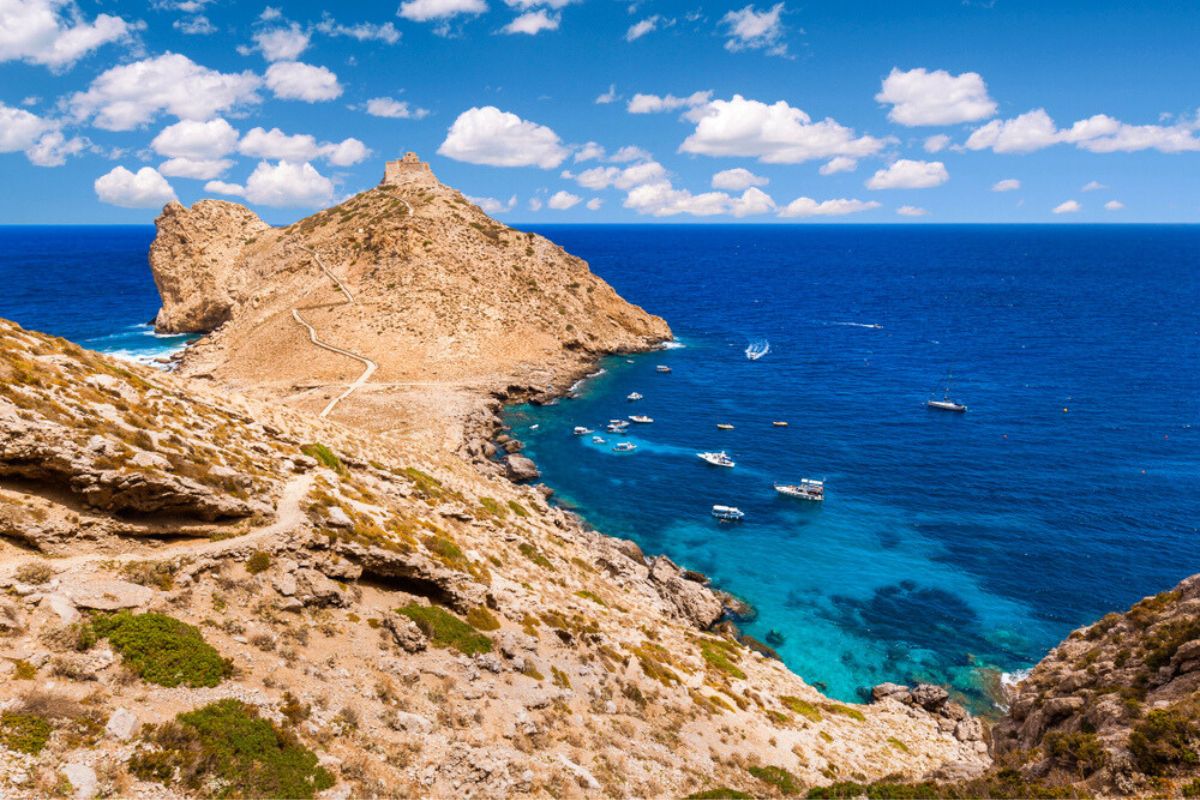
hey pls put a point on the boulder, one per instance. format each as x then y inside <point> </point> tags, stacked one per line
<point>521,468</point>
<point>693,601</point>
<point>108,594</point>
<point>82,779</point>
<point>121,724</point>
<point>405,633</point>
<point>930,697</point>
<point>314,589</point>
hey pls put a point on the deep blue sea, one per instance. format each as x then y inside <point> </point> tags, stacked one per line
<point>949,547</point>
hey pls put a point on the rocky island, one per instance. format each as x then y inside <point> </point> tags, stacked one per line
<point>300,565</point>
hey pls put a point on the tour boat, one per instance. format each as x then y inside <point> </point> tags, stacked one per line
<point>617,429</point>
<point>598,440</point>
<point>624,447</point>
<point>633,396</point>
<point>728,513</point>
<point>724,426</point>
<point>662,368</point>
<point>718,459</point>
<point>946,404</point>
<point>581,431</point>
<point>806,489</point>
<point>779,423</point>
<point>642,418</point>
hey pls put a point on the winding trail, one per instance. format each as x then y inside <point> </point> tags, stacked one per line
<point>369,366</point>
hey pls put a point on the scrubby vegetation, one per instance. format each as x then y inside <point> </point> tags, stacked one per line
<point>163,650</point>
<point>24,732</point>
<point>802,707</point>
<point>780,778</point>
<point>1164,741</point>
<point>324,455</point>
<point>226,749</point>
<point>258,562</point>
<point>446,630</point>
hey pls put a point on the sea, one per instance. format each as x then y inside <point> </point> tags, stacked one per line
<point>950,548</point>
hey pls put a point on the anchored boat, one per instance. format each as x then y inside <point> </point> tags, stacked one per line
<point>806,489</point>
<point>945,404</point>
<point>718,459</point>
<point>779,423</point>
<point>724,426</point>
<point>728,513</point>
<point>624,447</point>
<point>633,396</point>
<point>642,418</point>
<point>581,431</point>
<point>662,368</point>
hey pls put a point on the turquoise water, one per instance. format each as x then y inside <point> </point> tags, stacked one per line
<point>950,547</point>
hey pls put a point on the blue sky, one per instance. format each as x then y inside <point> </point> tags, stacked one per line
<point>603,111</point>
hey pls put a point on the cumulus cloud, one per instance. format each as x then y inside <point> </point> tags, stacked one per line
<point>562,200</point>
<point>937,143</point>
<point>639,29</point>
<point>661,199</point>
<point>1092,186</point>
<point>491,205</point>
<point>1036,130</point>
<point>200,169</point>
<point>20,129</point>
<point>589,152</point>
<point>629,153</point>
<point>607,97</point>
<point>1113,205</point>
<point>394,109</point>
<point>909,174</point>
<point>774,134</point>
<point>286,184</point>
<point>54,33</point>
<point>751,203</point>
<point>1068,207</point>
<point>363,31</point>
<point>53,149</point>
<point>1006,185</point>
<point>301,147</point>
<point>838,164</point>
<point>737,179</point>
<point>920,97</point>
<point>198,25</point>
<point>426,10</point>
<point>125,97</point>
<point>748,29</point>
<point>535,204</point>
<point>594,204</point>
<point>144,189</point>
<point>599,178</point>
<point>911,211</point>
<point>808,207</point>
<point>498,138</point>
<point>533,22</point>
<point>196,140</point>
<point>295,80</point>
<point>282,44</point>
<point>653,104</point>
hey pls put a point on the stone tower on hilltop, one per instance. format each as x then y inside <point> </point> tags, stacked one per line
<point>408,170</point>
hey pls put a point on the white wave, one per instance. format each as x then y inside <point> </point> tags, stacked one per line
<point>871,325</point>
<point>758,349</point>
<point>672,345</point>
<point>1010,679</point>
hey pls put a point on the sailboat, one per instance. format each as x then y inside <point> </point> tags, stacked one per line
<point>945,404</point>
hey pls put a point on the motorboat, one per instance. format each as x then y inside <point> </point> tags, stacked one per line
<point>617,429</point>
<point>624,447</point>
<point>663,368</point>
<point>806,489</point>
<point>718,459</point>
<point>581,431</point>
<point>724,426</point>
<point>642,418</point>
<point>598,440</point>
<point>779,423</point>
<point>756,350</point>
<point>728,513</point>
<point>633,396</point>
<point>945,404</point>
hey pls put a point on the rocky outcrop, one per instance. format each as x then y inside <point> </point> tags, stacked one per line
<point>196,260</point>
<point>521,468</point>
<point>694,601</point>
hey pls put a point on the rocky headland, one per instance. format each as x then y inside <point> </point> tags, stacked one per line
<point>297,567</point>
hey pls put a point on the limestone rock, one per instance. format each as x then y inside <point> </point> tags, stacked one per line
<point>121,724</point>
<point>406,633</point>
<point>693,601</point>
<point>521,468</point>
<point>82,779</point>
<point>108,595</point>
<point>314,589</point>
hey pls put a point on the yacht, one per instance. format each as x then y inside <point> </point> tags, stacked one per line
<point>633,396</point>
<point>806,489</point>
<point>728,513</point>
<point>718,459</point>
<point>581,431</point>
<point>617,429</point>
<point>642,418</point>
<point>945,404</point>
<point>663,368</point>
<point>598,440</point>
<point>724,426</point>
<point>624,447</point>
<point>779,423</point>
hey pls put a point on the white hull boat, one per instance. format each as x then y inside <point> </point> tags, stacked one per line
<point>806,489</point>
<point>728,513</point>
<point>644,420</point>
<point>718,459</point>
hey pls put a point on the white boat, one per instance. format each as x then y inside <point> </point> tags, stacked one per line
<point>779,423</point>
<point>633,396</point>
<point>718,459</point>
<point>945,404</point>
<point>620,423</point>
<point>724,426</point>
<point>617,429</point>
<point>642,418</point>
<point>728,513</point>
<point>806,489</point>
<point>581,431</point>
<point>662,368</point>
<point>624,447</point>
<point>756,350</point>
<point>598,440</point>
<point>534,427</point>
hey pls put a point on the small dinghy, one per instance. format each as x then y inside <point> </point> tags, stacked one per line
<point>728,513</point>
<point>663,368</point>
<point>633,396</point>
<point>642,418</point>
<point>624,447</point>
<point>598,440</point>
<point>724,426</point>
<point>718,459</point>
<point>806,489</point>
<point>779,423</point>
<point>581,431</point>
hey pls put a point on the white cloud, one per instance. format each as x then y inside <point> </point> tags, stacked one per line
<point>937,143</point>
<point>639,29</point>
<point>562,200</point>
<point>652,104</point>
<point>20,129</point>
<point>589,152</point>
<point>629,153</point>
<point>752,202</point>
<point>1006,185</point>
<point>1113,205</point>
<point>535,204</point>
<point>737,179</point>
<point>660,199</point>
<point>911,211</point>
<point>282,44</point>
<point>1100,133</point>
<point>198,25</point>
<point>920,97</point>
<point>200,169</point>
<point>491,205</point>
<point>838,164</point>
<point>143,189</point>
<point>607,97</point>
<point>288,184</point>
<point>755,30</point>
<point>599,178</point>
<point>533,22</point>
<point>53,149</point>
<point>394,109</point>
<point>53,33</point>
<point>196,140</point>
<point>775,134</point>
<point>221,187</point>
<point>425,10</point>
<point>909,174</point>
<point>125,97</point>
<point>808,207</point>
<point>594,204</point>
<point>363,31</point>
<point>1068,207</point>
<point>1092,186</point>
<point>295,80</point>
<point>278,146</point>
<point>1030,131</point>
<point>498,138</point>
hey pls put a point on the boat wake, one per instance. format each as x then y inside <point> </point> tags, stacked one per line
<point>757,349</point>
<point>870,325</point>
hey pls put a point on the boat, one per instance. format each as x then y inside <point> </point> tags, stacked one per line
<point>624,447</point>
<point>663,368</point>
<point>617,429</point>
<point>756,350</point>
<point>806,489</point>
<point>598,440</point>
<point>642,418</point>
<point>724,426</point>
<point>728,513</point>
<point>618,422</point>
<point>779,423</point>
<point>581,431</point>
<point>633,396</point>
<point>534,427</point>
<point>945,404</point>
<point>718,459</point>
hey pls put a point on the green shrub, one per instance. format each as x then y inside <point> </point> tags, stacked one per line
<point>517,508</point>
<point>780,778</point>
<point>721,655</point>
<point>258,562</point>
<point>1190,789</point>
<point>25,733</point>
<point>482,619</point>
<point>446,630</point>
<point>535,555</point>
<point>23,670</point>
<point>493,507</point>
<point>1081,752</point>
<point>801,707</point>
<point>721,793</point>
<point>589,595</point>
<point>896,743</point>
<point>34,572</point>
<point>324,455</point>
<point>1163,741</point>
<point>160,574</point>
<point>845,711</point>
<point>163,650</point>
<point>226,749</point>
